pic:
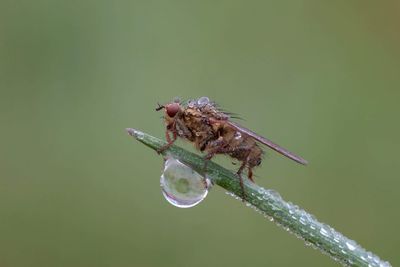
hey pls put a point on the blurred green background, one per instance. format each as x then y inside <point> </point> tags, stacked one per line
<point>321,78</point>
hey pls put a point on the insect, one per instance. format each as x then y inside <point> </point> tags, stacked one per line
<point>212,131</point>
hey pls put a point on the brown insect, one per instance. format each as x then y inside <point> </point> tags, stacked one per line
<point>210,129</point>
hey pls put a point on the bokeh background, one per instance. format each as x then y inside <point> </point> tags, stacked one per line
<point>321,78</point>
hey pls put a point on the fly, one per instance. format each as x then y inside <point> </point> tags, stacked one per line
<point>210,129</point>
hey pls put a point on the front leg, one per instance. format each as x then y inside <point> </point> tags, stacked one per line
<point>170,141</point>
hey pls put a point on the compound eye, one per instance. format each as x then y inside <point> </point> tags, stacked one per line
<point>172,109</point>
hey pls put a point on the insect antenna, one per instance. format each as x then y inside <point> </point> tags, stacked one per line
<point>160,107</point>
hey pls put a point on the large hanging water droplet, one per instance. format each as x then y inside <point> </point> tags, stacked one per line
<point>181,185</point>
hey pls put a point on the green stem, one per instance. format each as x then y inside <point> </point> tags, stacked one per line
<point>271,205</point>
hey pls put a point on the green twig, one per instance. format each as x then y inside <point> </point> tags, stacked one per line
<point>271,205</point>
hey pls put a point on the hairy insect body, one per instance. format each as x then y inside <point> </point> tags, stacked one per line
<point>238,145</point>
<point>206,128</point>
<point>194,128</point>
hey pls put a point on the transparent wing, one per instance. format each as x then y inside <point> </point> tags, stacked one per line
<point>268,143</point>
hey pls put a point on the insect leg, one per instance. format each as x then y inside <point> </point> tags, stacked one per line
<point>239,173</point>
<point>169,141</point>
<point>250,174</point>
<point>208,157</point>
<point>215,147</point>
<point>167,136</point>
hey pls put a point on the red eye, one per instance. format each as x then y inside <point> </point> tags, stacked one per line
<point>172,109</point>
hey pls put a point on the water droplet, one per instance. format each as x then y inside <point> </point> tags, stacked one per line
<point>137,134</point>
<point>237,135</point>
<point>181,185</point>
<point>336,238</point>
<point>363,258</point>
<point>324,232</point>
<point>351,245</point>
<point>202,101</point>
<point>303,220</point>
<point>273,194</point>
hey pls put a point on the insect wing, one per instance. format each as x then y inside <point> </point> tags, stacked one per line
<point>268,143</point>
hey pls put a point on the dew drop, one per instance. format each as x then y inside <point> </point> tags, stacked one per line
<point>237,136</point>
<point>324,232</point>
<point>363,258</point>
<point>351,245</point>
<point>181,185</point>
<point>202,101</point>
<point>307,243</point>
<point>303,220</point>
<point>137,134</point>
<point>273,194</point>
